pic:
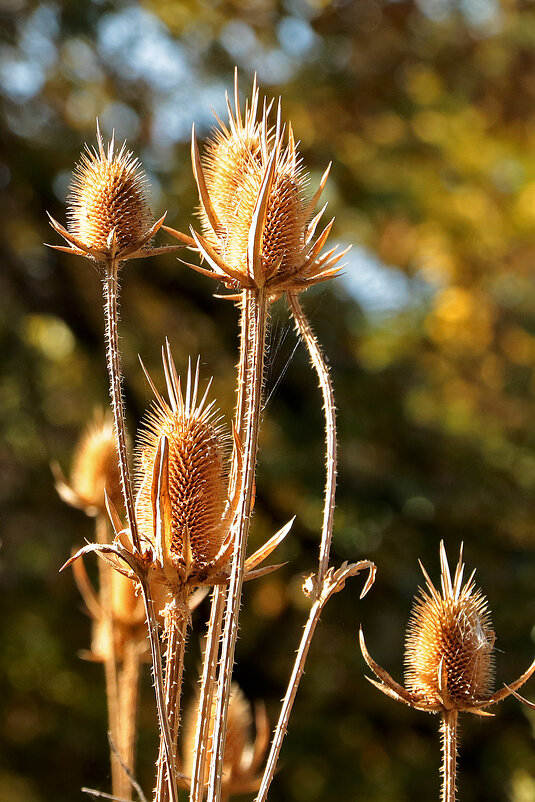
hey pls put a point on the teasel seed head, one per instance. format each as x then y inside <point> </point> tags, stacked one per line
<point>108,210</point>
<point>95,469</point>
<point>243,756</point>
<point>256,212</point>
<point>449,650</point>
<point>195,484</point>
<point>449,647</point>
<point>108,193</point>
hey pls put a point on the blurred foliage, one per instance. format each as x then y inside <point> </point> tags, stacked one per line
<point>427,110</point>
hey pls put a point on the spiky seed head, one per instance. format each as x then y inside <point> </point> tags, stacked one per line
<point>95,468</point>
<point>108,194</point>
<point>238,743</point>
<point>449,646</point>
<point>198,471</point>
<point>234,189</point>
<point>235,166</point>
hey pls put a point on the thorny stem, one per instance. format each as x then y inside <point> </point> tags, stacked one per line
<point>289,698</point>
<point>129,694</point>
<point>448,734</point>
<point>215,624</point>
<point>110,661</point>
<point>111,292</point>
<point>318,360</point>
<point>154,641</point>
<point>206,694</point>
<point>256,303</point>
<point>177,617</point>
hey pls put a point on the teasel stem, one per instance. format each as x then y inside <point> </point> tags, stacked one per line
<point>206,695</point>
<point>318,360</point>
<point>256,313</point>
<point>166,748</point>
<point>128,703</point>
<point>111,294</point>
<point>289,698</point>
<point>110,663</point>
<point>448,733</point>
<point>215,623</point>
<point>177,618</point>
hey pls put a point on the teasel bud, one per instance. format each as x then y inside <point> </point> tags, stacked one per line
<point>243,756</point>
<point>108,210</point>
<point>256,212</point>
<point>95,469</point>
<point>182,472</point>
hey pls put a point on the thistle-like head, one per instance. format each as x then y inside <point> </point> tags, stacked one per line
<point>256,213</point>
<point>108,210</point>
<point>449,654</point>
<point>182,480</point>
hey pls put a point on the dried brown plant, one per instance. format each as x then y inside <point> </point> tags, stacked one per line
<point>188,525</point>
<point>449,660</point>
<point>243,756</point>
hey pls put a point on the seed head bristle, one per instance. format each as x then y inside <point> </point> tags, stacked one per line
<point>449,646</point>
<point>198,472</point>
<point>108,193</point>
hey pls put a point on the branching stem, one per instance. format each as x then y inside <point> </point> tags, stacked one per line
<point>206,694</point>
<point>320,365</point>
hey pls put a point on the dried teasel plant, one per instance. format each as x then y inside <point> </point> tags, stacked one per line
<point>94,471</point>
<point>258,226</point>
<point>243,755</point>
<point>110,221</point>
<point>258,229</point>
<point>449,660</point>
<point>184,521</point>
<point>119,638</point>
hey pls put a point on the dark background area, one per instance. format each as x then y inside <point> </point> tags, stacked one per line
<point>427,111</point>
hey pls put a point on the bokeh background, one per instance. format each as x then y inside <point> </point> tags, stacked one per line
<point>427,110</point>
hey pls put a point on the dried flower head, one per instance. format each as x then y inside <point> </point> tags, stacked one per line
<point>184,510</point>
<point>449,649</point>
<point>95,468</point>
<point>196,475</point>
<point>256,214</point>
<point>242,756</point>
<point>109,214</point>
